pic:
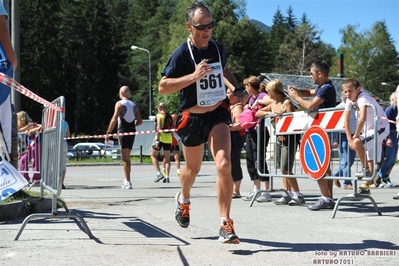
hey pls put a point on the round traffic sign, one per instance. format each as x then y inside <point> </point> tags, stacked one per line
<point>315,152</point>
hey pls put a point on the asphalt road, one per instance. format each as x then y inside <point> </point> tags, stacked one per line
<point>137,227</point>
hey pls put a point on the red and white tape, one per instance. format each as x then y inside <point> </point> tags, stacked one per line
<point>123,134</point>
<point>390,121</point>
<point>10,82</point>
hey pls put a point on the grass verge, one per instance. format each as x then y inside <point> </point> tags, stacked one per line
<point>21,195</point>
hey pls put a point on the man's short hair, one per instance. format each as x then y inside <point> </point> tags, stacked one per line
<point>321,66</point>
<point>191,10</point>
<point>351,82</point>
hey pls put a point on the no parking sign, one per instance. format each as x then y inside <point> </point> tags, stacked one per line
<point>315,152</point>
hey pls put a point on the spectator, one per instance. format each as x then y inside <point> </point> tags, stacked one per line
<point>8,64</point>
<point>362,141</point>
<point>127,115</point>
<point>33,150</point>
<point>390,145</point>
<point>66,134</point>
<point>346,155</point>
<point>286,145</point>
<point>323,97</point>
<point>236,98</point>
<point>163,140</point>
<point>203,116</point>
<point>397,121</point>
<point>258,99</point>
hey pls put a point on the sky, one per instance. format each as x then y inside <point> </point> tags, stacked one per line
<point>332,15</point>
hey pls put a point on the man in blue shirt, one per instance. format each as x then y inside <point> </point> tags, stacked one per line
<point>323,97</point>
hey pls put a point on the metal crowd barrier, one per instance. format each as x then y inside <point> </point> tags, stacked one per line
<point>52,141</point>
<point>306,127</point>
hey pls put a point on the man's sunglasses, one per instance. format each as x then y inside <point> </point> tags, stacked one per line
<point>202,26</point>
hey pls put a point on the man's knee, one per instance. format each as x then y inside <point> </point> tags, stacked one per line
<point>223,166</point>
<point>126,159</point>
<point>192,170</point>
<point>154,153</point>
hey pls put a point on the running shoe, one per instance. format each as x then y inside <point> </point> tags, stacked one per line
<point>264,197</point>
<point>363,173</point>
<point>127,185</point>
<point>250,196</point>
<point>283,200</point>
<point>322,204</point>
<point>182,213</point>
<point>297,201</point>
<point>159,177</point>
<point>227,234</point>
<point>363,190</point>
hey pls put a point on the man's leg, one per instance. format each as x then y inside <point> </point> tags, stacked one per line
<point>176,155</point>
<point>340,171</point>
<point>326,187</point>
<point>167,165</point>
<point>166,154</point>
<point>126,163</point>
<point>193,158</point>
<point>360,151</point>
<point>154,159</point>
<point>187,179</point>
<point>390,157</point>
<point>219,143</point>
<point>344,159</point>
<point>326,201</point>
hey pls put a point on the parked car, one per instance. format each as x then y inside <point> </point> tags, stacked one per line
<point>88,149</point>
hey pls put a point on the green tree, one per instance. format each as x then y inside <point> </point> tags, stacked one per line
<point>248,51</point>
<point>171,37</point>
<point>370,56</point>
<point>39,52</point>
<point>291,19</point>
<point>278,33</point>
<point>301,48</point>
<point>66,50</point>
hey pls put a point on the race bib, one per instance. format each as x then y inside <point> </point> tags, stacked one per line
<point>211,89</point>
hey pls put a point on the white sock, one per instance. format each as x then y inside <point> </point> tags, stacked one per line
<point>184,200</point>
<point>222,219</point>
<point>327,199</point>
<point>297,193</point>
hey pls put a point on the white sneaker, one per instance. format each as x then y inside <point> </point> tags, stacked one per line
<point>297,200</point>
<point>364,173</point>
<point>389,184</point>
<point>264,197</point>
<point>178,172</point>
<point>127,185</point>
<point>284,200</point>
<point>250,196</point>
